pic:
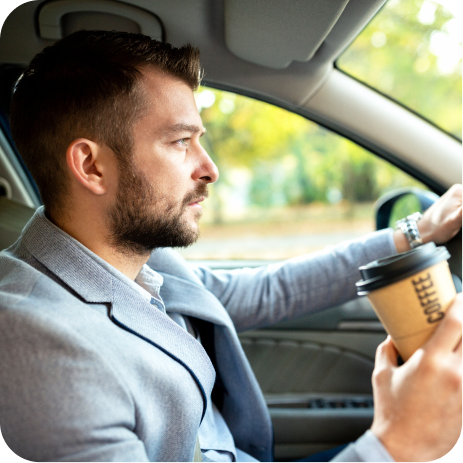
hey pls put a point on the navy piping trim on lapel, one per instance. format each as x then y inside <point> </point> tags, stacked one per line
<point>203,393</point>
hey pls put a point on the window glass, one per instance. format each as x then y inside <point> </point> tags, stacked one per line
<point>287,186</point>
<point>411,51</point>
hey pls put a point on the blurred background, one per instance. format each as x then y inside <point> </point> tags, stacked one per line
<point>287,185</point>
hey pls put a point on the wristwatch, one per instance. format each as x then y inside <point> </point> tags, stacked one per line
<point>409,228</point>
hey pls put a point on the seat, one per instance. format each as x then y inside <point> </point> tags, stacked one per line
<point>13,217</point>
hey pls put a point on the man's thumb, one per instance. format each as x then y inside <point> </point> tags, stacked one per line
<point>386,354</point>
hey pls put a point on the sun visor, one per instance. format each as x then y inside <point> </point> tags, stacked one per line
<point>274,33</point>
<point>60,18</point>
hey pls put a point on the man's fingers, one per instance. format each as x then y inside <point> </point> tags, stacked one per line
<point>455,191</point>
<point>456,216</point>
<point>459,215</point>
<point>448,333</point>
<point>458,349</point>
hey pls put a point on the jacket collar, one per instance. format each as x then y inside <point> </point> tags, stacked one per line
<point>62,255</point>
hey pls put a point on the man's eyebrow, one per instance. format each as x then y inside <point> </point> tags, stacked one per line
<point>184,128</point>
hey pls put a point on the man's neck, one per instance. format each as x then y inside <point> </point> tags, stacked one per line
<point>128,264</point>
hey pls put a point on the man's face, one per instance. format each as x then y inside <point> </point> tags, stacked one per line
<point>162,184</point>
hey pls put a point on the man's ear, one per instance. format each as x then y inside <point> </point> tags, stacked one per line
<point>85,160</point>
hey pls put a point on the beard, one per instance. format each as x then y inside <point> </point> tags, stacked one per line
<point>142,220</point>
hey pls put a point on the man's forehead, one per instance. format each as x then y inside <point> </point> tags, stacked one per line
<point>170,103</point>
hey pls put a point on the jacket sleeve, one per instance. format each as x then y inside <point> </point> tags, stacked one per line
<point>60,399</point>
<point>256,297</point>
<point>366,448</point>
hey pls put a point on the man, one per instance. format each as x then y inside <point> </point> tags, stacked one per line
<point>113,352</point>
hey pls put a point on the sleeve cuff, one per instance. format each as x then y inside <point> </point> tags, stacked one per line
<point>367,448</point>
<point>391,241</point>
<point>370,448</point>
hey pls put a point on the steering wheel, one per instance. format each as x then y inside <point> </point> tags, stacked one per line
<point>454,248</point>
<point>384,206</point>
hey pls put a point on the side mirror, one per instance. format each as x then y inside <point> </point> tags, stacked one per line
<point>401,202</point>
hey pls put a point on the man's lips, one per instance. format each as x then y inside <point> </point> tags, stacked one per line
<point>196,201</point>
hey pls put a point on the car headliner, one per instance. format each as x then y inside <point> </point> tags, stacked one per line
<point>202,23</point>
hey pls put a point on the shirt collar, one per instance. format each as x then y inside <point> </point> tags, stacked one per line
<point>149,280</point>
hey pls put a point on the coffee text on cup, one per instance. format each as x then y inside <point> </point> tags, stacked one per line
<point>427,296</point>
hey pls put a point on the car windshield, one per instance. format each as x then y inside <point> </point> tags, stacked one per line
<point>411,52</point>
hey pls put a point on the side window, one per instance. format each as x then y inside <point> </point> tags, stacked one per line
<point>287,186</point>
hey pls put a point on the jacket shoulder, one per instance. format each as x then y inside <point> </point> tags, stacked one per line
<point>17,277</point>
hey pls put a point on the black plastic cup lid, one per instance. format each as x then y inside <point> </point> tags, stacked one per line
<point>383,272</point>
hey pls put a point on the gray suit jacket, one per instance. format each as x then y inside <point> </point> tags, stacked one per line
<point>90,371</point>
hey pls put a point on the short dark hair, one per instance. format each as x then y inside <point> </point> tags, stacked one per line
<point>85,85</point>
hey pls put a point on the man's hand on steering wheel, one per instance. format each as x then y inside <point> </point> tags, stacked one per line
<point>440,223</point>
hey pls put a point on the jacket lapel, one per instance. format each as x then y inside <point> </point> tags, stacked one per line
<point>186,296</point>
<point>133,313</point>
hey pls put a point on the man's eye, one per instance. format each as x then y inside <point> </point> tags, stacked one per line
<point>183,142</point>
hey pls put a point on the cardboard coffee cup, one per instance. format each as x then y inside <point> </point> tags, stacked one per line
<point>410,292</point>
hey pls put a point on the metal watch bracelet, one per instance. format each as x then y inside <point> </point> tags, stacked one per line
<point>409,228</point>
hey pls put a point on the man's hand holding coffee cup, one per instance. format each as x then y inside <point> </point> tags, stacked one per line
<point>418,404</point>
<point>439,223</point>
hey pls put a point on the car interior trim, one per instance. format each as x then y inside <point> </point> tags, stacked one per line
<point>389,97</point>
<point>13,173</point>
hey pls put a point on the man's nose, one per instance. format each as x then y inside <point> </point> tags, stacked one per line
<point>207,170</point>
